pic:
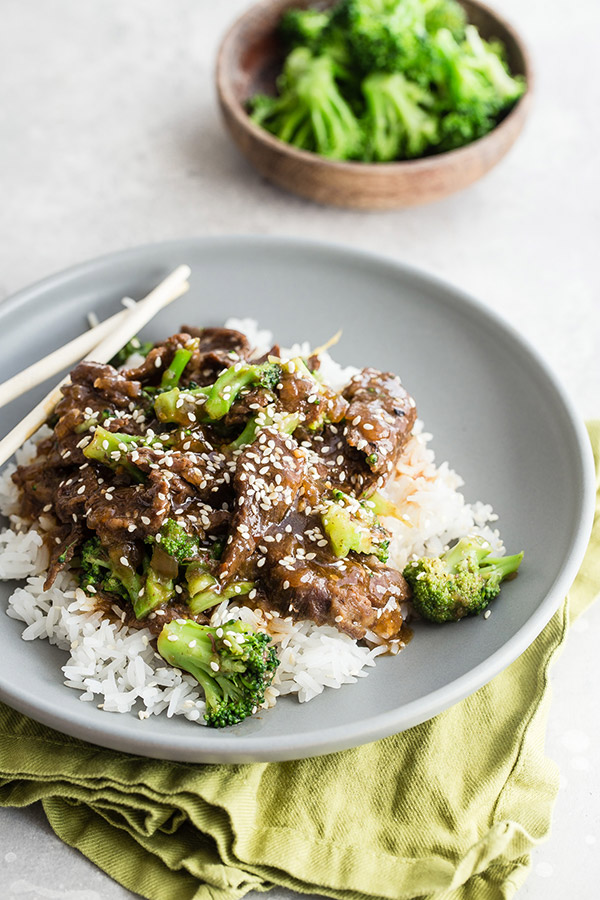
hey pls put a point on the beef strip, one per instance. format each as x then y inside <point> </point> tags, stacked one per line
<point>204,475</point>
<point>306,581</point>
<point>97,393</point>
<point>62,541</point>
<point>297,394</point>
<point>38,483</point>
<point>218,349</point>
<point>268,477</point>
<point>247,405</point>
<point>380,419</point>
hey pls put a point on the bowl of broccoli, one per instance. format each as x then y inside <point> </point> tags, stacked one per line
<point>373,104</point>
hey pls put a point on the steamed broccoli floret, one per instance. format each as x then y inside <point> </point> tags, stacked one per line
<point>338,95</point>
<point>233,663</point>
<point>303,26</point>
<point>487,59</point>
<point>176,541</point>
<point>398,125</point>
<point>310,112</point>
<point>384,35</point>
<point>461,582</point>
<point>445,14</point>
<point>351,525</point>
<point>100,570</point>
<point>213,402</point>
<point>475,87</point>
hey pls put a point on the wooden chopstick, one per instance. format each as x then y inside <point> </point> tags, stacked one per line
<point>133,321</point>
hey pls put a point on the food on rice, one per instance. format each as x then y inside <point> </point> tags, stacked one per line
<point>252,508</point>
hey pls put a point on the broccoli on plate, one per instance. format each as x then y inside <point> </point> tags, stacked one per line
<point>233,663</point>
<point>461,582</point>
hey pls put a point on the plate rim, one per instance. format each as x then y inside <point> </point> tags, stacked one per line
<point>184,748</point>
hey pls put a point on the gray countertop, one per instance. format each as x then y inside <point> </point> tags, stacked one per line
<point>111,137</point>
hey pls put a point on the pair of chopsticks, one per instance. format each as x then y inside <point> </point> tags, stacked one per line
<point>100,344</point>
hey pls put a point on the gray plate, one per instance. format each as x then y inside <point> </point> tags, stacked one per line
<point>497,414</point>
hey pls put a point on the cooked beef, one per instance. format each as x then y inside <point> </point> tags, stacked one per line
<point>298,394</point>
<point>158,360</point>
<point>268,477</point>
<point>380,419</point>
<point>218,349</point>
<point>247,405</point>
<point>262,504</point>
<point>38,483</point>
<point>62,542</point>
<point>306,581</point>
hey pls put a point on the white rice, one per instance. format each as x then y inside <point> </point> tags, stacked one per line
<point>117,667</point>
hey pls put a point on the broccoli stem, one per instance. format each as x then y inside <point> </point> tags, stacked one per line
<point>158,589</point>
<point>172,375</point>
<point>185,406</point>
<point>227,387</point>
<point>110,449</point>
<point>504,565</point>
<point>476,550</point>
<point>126,574</point>
<point>285,423</point>
<point>198,578</point>
<point>208,598</point>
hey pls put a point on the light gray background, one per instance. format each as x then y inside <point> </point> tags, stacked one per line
<point>110,136</point>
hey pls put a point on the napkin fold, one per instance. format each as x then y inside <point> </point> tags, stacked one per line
<point>429,814</point>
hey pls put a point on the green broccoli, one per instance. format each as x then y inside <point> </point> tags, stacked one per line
<point>213,593</point>
<point>213,402</point>
<point>157,590</point>
<point>470,100</point>
<point>445,14</point>
<point>461,582</point>
<point>176,541</point>
<point>111,448</point>
<point>398,125</point>
<point>107,571</point>
<point>285,423</point>
<point>233,664</point>
<point>486,58</point>
<point>310,112</point>
<point>172,375</point>
<point>337,95</point>
<point>204,589</point>
<point>384,35</point>
<point>351,525</point>
<point>303,26</point>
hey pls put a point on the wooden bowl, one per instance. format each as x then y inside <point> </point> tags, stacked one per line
<point>250,58</point>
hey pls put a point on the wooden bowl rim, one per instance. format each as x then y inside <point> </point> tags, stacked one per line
<point>233,105</point>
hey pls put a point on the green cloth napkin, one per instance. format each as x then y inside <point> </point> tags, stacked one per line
<point>429,813</point>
